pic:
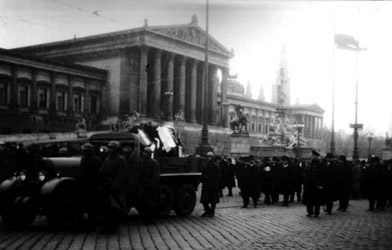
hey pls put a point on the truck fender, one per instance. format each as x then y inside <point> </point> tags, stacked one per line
<point>7,185</point>
<point>51,185</point>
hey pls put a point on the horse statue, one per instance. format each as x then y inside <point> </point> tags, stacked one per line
<point>238,125</point>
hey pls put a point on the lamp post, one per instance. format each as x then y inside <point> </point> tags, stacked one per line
<point>298,127</point>
<point>370,138</point>
<point>204,146</point>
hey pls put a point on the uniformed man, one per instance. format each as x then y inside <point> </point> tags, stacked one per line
<point>112,174</point>
<point>210,186</point>
<point>313,196</point>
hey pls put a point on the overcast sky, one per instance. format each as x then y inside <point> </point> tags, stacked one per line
<point>256,30</point>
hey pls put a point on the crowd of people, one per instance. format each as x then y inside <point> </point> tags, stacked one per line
<point>315,182</point>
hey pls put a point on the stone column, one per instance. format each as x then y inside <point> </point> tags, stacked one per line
<point>156,107</point>
<point>52,102</point>
<point>269,121</point>
<point>181,90</point>
<point>213,92</point>
<point>201,97</point>
<point>124,84</point>
<point>86,110</point>
<point>34,94</point>
<point>14,89</point>
<point>193,94</point>
<point>70,96</point>
<point>169,90</point>
<point>257,122</point>
<point>143,81</point>
<point>321,127</point>
<point>312,122</point>
<point>225,104</point>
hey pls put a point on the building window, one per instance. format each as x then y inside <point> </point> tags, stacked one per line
<point>43,98</point>
<point>23,96</point>
<point>260,128</point>
<point>94,104</point>
<point>61,101</point>
<point>78,103</point>
<point>3,93</point>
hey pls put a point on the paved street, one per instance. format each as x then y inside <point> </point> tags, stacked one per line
<point>265,227</point>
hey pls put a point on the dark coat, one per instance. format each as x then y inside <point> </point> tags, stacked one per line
<point>227,174</point>
<point>112,178</point>
<point>286,179</point>
<point>250,186</point>
<point>314,188</point>
<point>210,177</point>
<point>343,180</point>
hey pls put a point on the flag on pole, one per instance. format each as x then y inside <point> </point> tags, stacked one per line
<point>347,42</point>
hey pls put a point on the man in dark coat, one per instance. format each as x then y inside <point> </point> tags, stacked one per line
<point>227,175</point>
<point>297,180</point>
<point>210,186</point>
<point>250,186</point>
<point>148,182</point>
<point>313,196</point>
<point>266,181</point>
<point>329,167</point>
<point>287,180</point>
<point>343,183</point>
<point>87,181</point>
<point>112,177</point>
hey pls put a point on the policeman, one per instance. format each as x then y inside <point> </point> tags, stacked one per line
<point>111,175</point>
<point>210,186</point>
<point>313,186</point>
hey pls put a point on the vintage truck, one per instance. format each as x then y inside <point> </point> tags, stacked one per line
<point>53,192</point>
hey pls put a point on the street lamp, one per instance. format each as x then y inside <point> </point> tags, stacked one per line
<point>370,137</point>
<point>298,127</point>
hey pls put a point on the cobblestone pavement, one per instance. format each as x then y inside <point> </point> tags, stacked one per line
<point>233,227</point>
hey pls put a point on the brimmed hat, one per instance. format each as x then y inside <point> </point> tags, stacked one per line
<point>210,154</point>
<point>87,146</point>
<point>114,144</point>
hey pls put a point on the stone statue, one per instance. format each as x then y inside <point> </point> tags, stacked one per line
<point>388,141</point>
<point>239,125</point>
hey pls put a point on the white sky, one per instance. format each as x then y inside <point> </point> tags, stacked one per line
<point>256,30</point>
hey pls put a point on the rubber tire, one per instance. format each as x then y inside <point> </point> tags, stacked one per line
<point>20,213</point>
<point>166,199</point>
<point>185,200</point>
<point>61,207</point>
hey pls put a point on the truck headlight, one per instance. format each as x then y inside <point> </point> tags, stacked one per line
<point>41,176</point>
<point>22,175</point>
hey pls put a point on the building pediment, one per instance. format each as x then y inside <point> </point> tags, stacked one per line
<point>191,34</point>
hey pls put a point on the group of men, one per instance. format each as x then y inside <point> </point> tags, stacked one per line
<point>100,180</point>
<point>316,182</point>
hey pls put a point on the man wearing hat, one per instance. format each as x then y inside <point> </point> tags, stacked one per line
<point>287,180</point>
<point>87,181</point>
<point>210,177</point>
<point>112,177</point>
<point>313,196</point>
<point>343,182</point>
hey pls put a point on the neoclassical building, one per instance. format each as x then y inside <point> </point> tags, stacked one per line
<point>154,70</point>
<point>38,95</point>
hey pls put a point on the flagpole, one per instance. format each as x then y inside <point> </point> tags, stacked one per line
<point>333,87</point>
<point>356,125</point>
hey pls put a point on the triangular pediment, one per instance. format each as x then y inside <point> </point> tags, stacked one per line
<point>191,34</point>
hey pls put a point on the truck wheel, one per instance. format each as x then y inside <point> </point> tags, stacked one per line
<point>20,212</point>
<point>166,198</point>
<point>185,200</point>
<point>61,207</point>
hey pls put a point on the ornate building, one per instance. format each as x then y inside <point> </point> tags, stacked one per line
<point>154,70</point>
